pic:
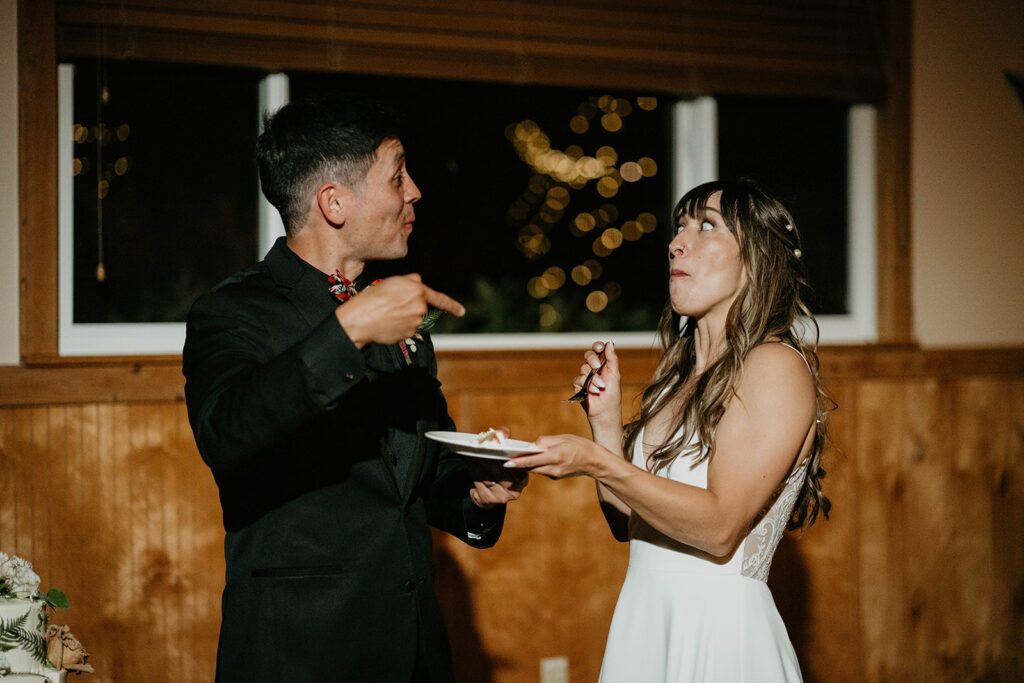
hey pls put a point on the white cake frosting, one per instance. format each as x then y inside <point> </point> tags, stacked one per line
<point>491,436</point>
<point>23,642</point>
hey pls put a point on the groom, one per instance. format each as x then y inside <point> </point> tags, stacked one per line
<point>309,392</point>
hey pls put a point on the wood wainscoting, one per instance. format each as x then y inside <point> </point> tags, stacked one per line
<point>918,575</point>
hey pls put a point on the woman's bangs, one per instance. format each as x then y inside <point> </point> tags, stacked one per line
<point>694,203</point>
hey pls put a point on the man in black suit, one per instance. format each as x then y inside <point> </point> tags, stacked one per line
<point>311,415</point>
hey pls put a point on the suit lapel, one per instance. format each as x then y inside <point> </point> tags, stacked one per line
<point>423,362</point>
<point>306,286</point>
<point>308,290</point>
<point>379,363</point>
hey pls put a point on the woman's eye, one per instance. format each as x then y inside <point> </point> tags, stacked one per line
<point>707,225</point>
<point>398,179</point>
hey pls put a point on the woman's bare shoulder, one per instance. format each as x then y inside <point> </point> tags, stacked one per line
<point>774,364</point>
<point>776,352</point>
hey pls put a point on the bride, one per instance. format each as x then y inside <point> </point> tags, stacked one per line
<point>725,455</point>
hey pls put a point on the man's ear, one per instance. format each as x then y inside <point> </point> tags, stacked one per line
<point>332,200</point>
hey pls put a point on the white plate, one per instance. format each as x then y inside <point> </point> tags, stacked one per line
<point>487,456</point>
<point>469,444</point>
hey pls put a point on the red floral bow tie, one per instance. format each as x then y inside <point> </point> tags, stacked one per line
<point>342,288</point>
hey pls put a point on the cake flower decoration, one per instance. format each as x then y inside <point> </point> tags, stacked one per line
<point>64,650</point>
<point>18,580</point>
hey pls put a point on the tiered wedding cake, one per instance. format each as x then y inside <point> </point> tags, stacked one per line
<point>29,647</point>
<point>23,642</point>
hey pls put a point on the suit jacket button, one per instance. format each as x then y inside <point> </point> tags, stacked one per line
<point>409,586</point>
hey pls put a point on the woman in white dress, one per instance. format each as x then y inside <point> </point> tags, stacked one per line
<point>725,455</point>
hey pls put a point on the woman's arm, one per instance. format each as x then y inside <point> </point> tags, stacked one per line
<point>604,413</point>
<point>616,513</point>
<point>759,438</point>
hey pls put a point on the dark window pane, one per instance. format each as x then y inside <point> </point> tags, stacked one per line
<point>165,182</point>
<point>473,235</point>
<point>797,148</point>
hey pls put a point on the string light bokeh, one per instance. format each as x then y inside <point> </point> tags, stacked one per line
<point>545,208</point>
<point>165,191</point>
<point>541,206</point>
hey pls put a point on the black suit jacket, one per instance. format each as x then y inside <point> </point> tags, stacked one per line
<point>326,482</point>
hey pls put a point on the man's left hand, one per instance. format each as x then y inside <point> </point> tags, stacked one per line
<point>494,484</point>
<point>486,493</point>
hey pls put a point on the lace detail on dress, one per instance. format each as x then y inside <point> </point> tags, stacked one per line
<point>760,544</point>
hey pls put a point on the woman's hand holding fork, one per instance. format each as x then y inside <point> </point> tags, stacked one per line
<point>603,396</point>
<point>597,388</point>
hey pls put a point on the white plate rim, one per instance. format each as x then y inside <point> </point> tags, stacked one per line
<point>486,456</point>
<point>463,445</point>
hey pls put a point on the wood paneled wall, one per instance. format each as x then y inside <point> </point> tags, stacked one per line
<point>111,503</point>
<point>918,575</point>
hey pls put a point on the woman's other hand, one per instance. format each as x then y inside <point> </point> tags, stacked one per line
<point>604,397</point>
<point>564,455</point>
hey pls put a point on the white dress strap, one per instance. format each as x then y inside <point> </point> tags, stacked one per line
<point>799,353</point>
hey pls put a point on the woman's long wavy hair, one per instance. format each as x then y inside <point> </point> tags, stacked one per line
<point>769,307</point>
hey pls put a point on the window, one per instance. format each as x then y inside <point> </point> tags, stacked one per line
<point>159,197</point>
<point>546,210</point>
<point>818,157</point>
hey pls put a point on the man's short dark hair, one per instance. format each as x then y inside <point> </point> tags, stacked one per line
<point>310,142</point>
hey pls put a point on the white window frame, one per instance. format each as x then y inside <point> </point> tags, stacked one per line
<point>124,339</point>
<point>695,160</point>
<point>860,324</point>
<point>274,94</point>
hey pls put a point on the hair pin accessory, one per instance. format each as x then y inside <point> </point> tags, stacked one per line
<point>797,253</point>
<point>789,226</point>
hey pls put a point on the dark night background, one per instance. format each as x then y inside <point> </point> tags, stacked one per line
<point>183,216</point>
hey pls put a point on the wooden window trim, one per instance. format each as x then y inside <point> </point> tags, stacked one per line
<point>549,63</point>
<point>37,181</point>
<point>798,47</point>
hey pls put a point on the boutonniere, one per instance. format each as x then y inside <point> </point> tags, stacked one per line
<point>344,289</point>
<point>430,319</point>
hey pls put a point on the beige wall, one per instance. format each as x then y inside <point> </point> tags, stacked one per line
<point>967,169</point>
<point>8,183</point>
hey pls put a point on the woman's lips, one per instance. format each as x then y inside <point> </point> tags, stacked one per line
<point>678,273</point>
